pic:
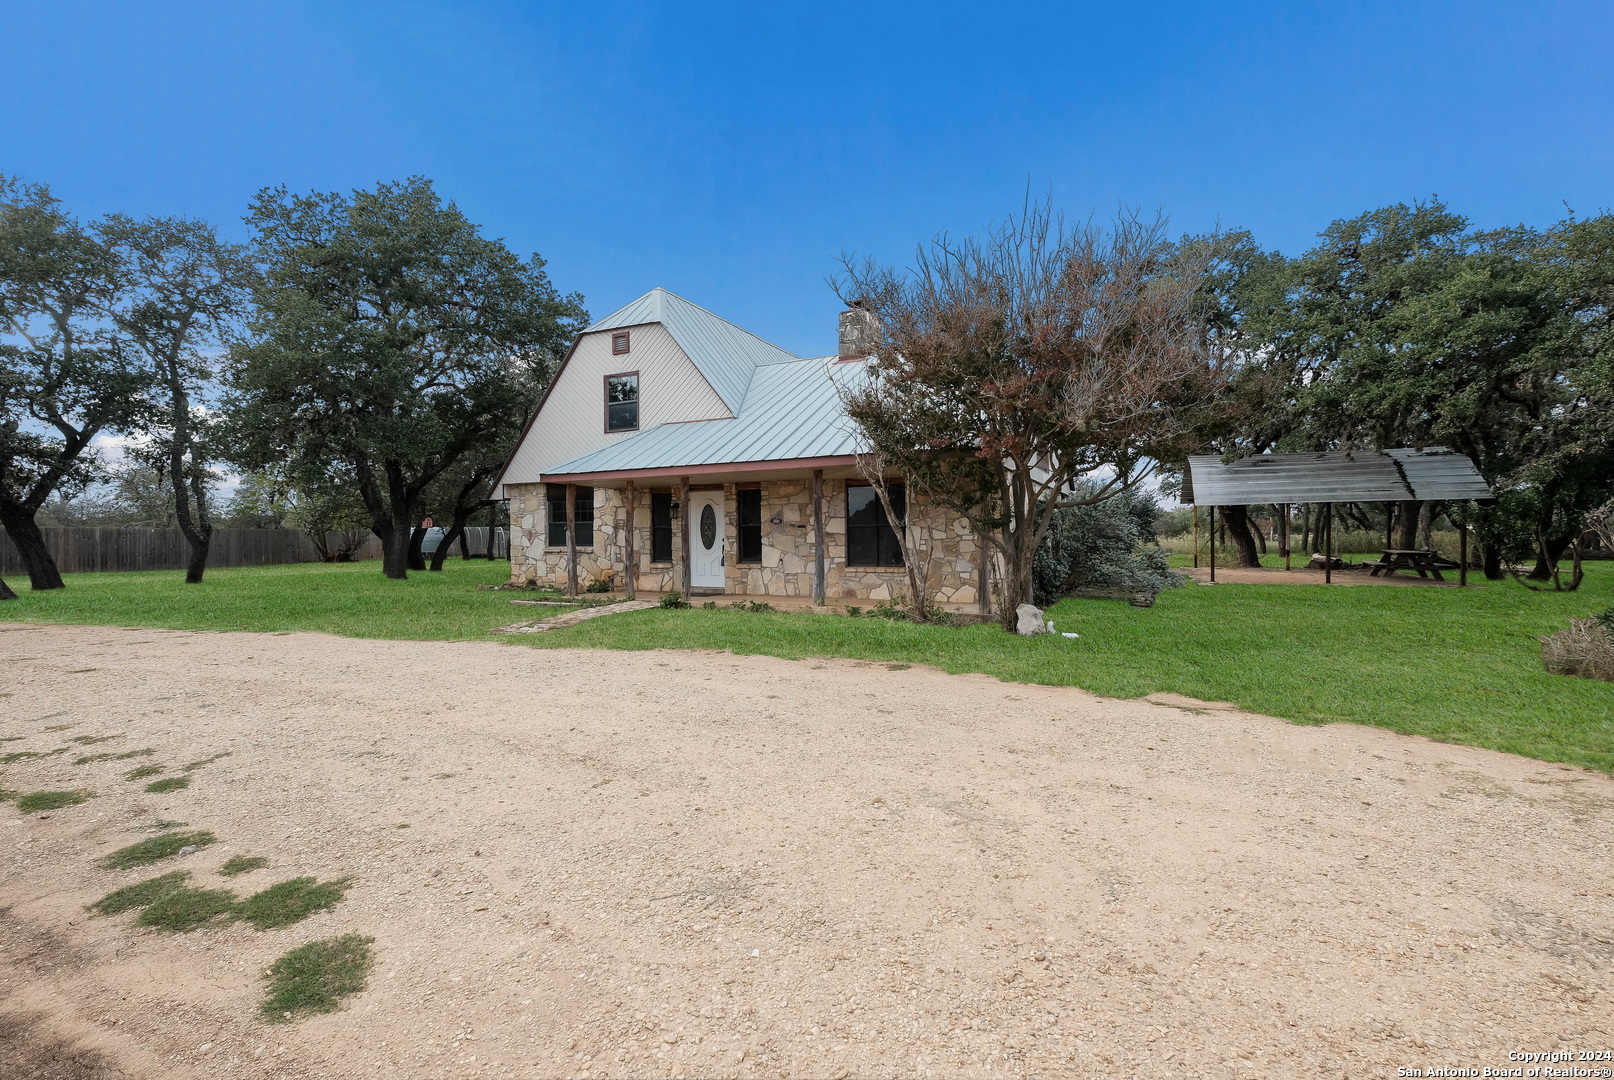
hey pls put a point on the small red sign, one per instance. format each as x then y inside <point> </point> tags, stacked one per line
<point>426,524</point>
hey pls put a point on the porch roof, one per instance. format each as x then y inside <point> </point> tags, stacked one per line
<point>791,418</point>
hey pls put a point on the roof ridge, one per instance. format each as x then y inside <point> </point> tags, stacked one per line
<point>721,319</point>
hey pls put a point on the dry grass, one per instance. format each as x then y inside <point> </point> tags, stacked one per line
<point>1585,649</point>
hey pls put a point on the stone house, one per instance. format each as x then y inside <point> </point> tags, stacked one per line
<point>676,452</point>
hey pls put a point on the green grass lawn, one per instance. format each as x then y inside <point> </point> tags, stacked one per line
<point>1463,666</point>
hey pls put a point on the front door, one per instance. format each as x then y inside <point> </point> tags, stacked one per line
<point>706,539</point>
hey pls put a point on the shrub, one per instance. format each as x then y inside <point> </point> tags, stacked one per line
<point>1102,545</point>
<point>673,600</point>
<point>598,586</point>
<point>314,978</point>
<point>1585,649</point>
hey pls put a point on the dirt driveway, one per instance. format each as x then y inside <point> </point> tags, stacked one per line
<point>696,864</point>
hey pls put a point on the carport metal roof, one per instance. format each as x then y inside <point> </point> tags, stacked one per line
<point>1433,472</point>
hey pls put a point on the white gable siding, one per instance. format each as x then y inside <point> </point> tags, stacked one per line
<point>572,421</point>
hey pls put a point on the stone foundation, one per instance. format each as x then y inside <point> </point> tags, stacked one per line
<point>943,539</point>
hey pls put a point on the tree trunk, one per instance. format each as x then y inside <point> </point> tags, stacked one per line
<point>5,591</point>
<point>456,532</point>
<point>1426,526</point>
<point>1490,558</point>
<point>1016,582</point>
<point>1236,523</point>
<point>30,544</point>
<point>417,537</point>
<point>395,544</point>
<point>1407,518</point>
<point>1547,560</point>
<point>465,545</point>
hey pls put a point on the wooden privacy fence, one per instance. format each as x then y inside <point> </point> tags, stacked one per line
<point>78,550</point>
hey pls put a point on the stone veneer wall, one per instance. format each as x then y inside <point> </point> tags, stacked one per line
<point>787,548</point>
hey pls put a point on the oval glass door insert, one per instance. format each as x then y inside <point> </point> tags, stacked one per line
<point>708,527</point>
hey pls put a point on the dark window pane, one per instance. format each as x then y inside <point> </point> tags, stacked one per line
<point>870,540</point>
<point>749,524</point>
<point>621,402</point>
<point>583,511</point>
<point>661,531</point>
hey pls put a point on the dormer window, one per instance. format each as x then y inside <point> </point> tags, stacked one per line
<point>619,344</point>
<point>622,401</point>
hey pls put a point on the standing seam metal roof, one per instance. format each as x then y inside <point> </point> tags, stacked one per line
<point>724,353</point>
<point>1361,476</point>
<point>790,411</point>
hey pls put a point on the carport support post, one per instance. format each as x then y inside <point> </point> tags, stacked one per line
<point>1196,536</point>
<point>1328,543</point>
<point>1213,544</point>
<point>571,539</point>
<point>1462,553</point>
<point>818,537</point>
<point>683,536</point>
<point>1287,510</point>
<point>630,559</point>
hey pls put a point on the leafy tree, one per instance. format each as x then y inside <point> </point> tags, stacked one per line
<point>1103,545</point>
<point>391,339</point>
<point>462,490</point>
<point>1010,367</point>
<point>182,289</point>
<point>64,375</point>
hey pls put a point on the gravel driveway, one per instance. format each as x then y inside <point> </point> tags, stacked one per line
<point>697,864</point>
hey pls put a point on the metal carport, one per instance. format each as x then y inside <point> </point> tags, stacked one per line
<point>1329,477</point>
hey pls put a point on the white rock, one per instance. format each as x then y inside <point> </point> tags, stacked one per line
<point>1029,621</point>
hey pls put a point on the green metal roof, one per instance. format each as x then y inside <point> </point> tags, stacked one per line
<point>789,411</point>
<point>724,353</point>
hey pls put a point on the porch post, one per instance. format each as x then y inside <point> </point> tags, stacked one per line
<point>818,537</point>
<point>683,536</point>
<point>571,539</point>
<point>983,577</point>
<point>630,560</point>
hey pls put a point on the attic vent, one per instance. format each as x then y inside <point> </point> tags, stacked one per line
<point>619,343</point>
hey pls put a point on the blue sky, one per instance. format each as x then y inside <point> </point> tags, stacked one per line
<point>731,152</point>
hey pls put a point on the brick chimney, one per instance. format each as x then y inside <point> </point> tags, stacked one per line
<point>860,328</point>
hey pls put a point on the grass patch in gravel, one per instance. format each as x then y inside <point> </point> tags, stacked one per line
<point>183,909</point>
<point>142,772</point>
<point>91,740</point>
<point>141,893</point>
<point>172,783</point>
<point>157,847</point>
<point>291,901</point>
<point>241,864</point>
<point>314,978</point>
<point>192,766</point>
<point>35,801</point>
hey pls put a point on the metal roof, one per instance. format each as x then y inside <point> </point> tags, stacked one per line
<point>725,354</point>
<point>790,411</point>
<point>1433,472</point>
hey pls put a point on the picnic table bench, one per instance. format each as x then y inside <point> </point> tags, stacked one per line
<point>1425,561</point>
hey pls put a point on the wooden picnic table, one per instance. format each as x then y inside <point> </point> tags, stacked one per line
<point>1425,561</point>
